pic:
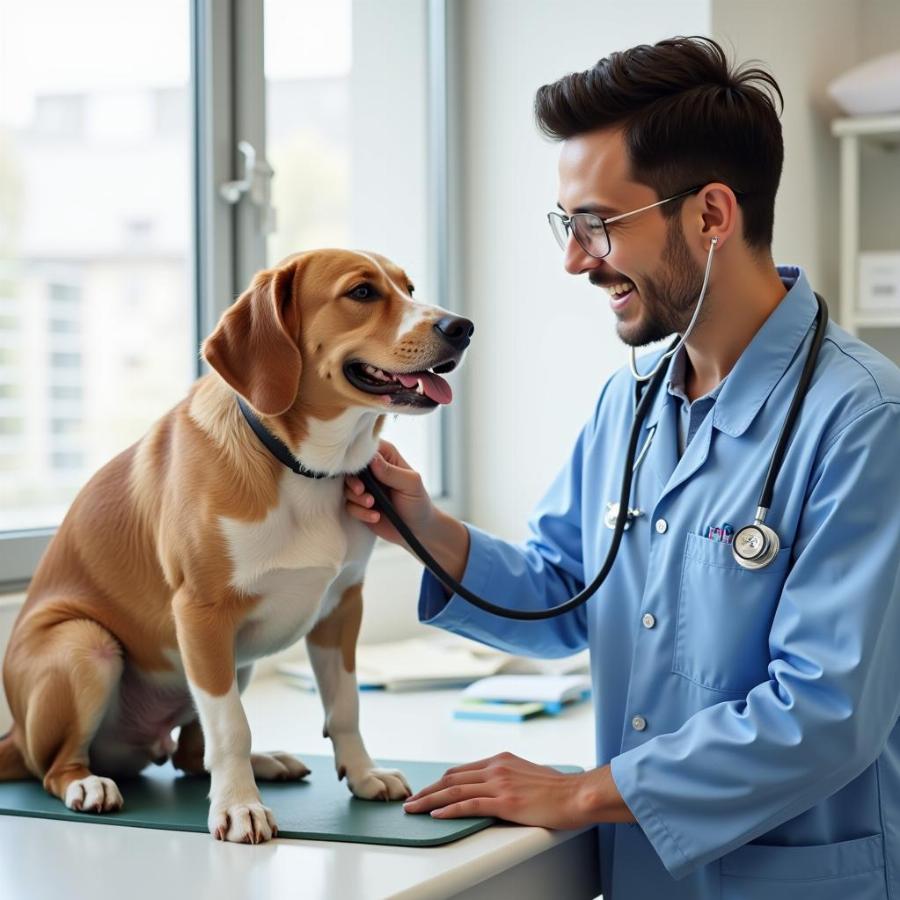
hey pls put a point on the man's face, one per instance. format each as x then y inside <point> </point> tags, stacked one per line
<point>648,254</point>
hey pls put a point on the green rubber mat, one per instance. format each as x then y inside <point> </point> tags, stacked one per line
<point>319,808</point>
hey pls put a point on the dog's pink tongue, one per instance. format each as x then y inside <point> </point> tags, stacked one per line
<point>433,385</point>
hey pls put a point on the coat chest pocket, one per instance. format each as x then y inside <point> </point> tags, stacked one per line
<point>724,616</point>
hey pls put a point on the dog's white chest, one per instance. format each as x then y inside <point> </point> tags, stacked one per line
<point>291,602</point>
<point>298,560</point>
<point>306,529</point>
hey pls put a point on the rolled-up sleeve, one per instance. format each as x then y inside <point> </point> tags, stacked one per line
<point>737,769</point>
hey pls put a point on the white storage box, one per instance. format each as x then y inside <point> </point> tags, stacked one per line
<point>879,282</point>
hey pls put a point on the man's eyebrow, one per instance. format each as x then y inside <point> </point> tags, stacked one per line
<point>598,209</point>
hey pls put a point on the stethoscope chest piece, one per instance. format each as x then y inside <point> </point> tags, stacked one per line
<point>612,513</point>
<point>755,546</point>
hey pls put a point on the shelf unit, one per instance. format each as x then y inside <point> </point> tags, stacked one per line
<point>851,132</point>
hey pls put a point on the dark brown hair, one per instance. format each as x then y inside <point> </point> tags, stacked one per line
<point>688,119</point>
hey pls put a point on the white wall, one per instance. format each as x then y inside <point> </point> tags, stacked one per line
<point>879,27</point>
<point>880,164</point>
<point>805,44</point>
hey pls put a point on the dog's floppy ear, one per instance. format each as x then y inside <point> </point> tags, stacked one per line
<point>255,345</point>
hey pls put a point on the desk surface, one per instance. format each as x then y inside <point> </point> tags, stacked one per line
<point>50,859</point>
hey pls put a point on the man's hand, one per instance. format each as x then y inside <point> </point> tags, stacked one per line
<point>511,788</point>
<point>404,487</point>
<point>446,538</point>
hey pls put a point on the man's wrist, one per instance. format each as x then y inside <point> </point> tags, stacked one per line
<point>447,540</point>
<point>599,798</point>
<point>454,545</point>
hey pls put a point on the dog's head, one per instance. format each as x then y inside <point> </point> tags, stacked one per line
<point>339,328</point>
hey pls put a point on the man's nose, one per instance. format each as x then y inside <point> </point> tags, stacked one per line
<point>456,331</point>
<point>577,261</point>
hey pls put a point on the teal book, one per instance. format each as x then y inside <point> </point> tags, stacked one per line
<point>497,711</point>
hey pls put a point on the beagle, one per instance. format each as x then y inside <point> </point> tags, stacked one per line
<point>195,551</point>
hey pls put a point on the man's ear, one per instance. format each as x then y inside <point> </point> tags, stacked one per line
<point>254,346</point>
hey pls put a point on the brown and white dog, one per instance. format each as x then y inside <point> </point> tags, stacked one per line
<point>195,552</point>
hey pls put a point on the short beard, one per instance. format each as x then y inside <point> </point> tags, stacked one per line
<point>668,301</point>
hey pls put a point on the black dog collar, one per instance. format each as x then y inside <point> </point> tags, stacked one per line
<point>276,446</point>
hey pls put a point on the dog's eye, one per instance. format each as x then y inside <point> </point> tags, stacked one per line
<point>363,292</point>
<point>410,288</point>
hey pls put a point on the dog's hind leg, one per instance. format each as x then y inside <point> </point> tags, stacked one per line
<point>12,766</point>
<point>188,756</point>
<point>71,677</point>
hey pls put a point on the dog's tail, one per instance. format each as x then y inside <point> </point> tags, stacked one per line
<point>12,765</point>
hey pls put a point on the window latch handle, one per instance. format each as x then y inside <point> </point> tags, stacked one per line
<point>256,183</point>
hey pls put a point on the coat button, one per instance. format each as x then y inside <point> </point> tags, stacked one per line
<point>662,526</point>
<point>638,723</point>
<point>648,620</point>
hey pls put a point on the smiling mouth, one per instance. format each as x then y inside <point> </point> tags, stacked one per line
<point>619,293</point>
<point>424,387</point>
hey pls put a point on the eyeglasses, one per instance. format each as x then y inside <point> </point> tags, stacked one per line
<point>590,231</point>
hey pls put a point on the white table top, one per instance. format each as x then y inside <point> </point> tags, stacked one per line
<point>52,859</point>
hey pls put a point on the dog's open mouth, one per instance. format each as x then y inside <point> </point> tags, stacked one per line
<point>422,388</point>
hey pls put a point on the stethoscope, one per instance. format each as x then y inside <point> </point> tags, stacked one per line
<point>754,546</point>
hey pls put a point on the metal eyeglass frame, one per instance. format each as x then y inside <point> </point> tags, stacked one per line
<point>570,231</point>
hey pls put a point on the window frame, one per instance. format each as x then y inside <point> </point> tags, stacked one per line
<point>445,183</point>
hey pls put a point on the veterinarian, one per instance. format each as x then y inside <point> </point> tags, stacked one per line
<point>747,718</point>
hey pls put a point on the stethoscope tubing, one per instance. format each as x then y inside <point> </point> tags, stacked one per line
<point>661,362</point>
<point>765,497</point>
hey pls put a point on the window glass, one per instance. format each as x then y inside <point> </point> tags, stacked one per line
<point>96,308</point>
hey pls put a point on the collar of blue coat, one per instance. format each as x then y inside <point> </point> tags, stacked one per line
<point>763,363</point>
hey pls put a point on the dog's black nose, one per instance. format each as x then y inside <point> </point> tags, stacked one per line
<point>456,331</point>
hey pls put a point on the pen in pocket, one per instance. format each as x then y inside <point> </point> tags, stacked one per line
<point>725,534</point>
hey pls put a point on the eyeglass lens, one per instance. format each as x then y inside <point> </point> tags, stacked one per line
<point>588,230</point>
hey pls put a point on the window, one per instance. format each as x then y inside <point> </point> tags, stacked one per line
<point>308,68</point>
<point>95,175</point>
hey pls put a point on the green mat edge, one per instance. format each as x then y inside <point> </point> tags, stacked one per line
<point>120,818</point>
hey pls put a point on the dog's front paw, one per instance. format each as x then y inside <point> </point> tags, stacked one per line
<point>242,823</point>
<point>277,767</point>
<point>93,794</point>
<point>377,784</point>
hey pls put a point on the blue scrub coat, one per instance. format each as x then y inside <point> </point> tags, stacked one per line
<point>751,720</point>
